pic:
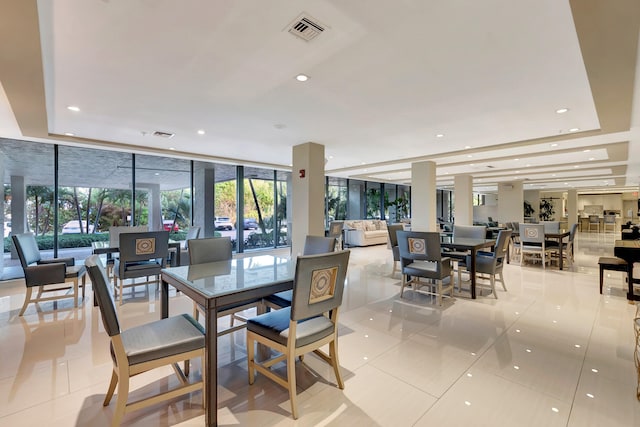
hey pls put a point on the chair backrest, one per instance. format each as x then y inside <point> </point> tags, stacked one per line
<point>594,219</point>
<point>104,294</point>
<point>193,233</point>
<point>572,232</point>
<point>531,233</point>
<point>609,219</point>
<point>502,243</point>
<point>27,248</point>
<point>551,226</point>
<point>335,228</point>
<point>469,231</point>
<point>392,230</point>
<point>314,245</point>
<point>210,249</point>
<point>143,246</point>
<point>115,231</point>
<point>318,284</point>
<point>419,245</point>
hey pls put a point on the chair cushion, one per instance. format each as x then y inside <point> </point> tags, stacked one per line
<point>612,262</point>
<point>162,338</point>
<point>275,326</point>
<point>281,299</point>
<point>75,271</point>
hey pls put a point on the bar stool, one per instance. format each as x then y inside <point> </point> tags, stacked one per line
<point>610,263</point>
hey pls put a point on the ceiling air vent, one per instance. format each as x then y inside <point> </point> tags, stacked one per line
<point>306,27</point>
<point>163,134</point>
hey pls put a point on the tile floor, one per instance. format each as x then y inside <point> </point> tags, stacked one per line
<point>549,352</point>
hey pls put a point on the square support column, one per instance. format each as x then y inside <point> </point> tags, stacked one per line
<point>423,197</point>
<point>463,192</point>
<point>307,178</point>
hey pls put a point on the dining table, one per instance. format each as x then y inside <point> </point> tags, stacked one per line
<point>556,237</point>
<point>217,285</point>
<point>629,250</point>
<point>472,246</point>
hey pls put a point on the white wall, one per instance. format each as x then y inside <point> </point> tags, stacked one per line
<point>608,201</point>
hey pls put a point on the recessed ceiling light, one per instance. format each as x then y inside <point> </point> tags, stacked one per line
<point>70,134</point>
<point>576,166</point>
<point>516,159</point>
<point>201,132</point>
<point>466,147</point>
<point>331,157</point>
<point>172,148</point>
<point>439,135</point>
<point>302,77</point>
<point>586,151</point>
<point>592,158</point>
<point>517,171</point>
<point>562,110</point>
<point>73,108</point>
<point>527,165</point>
<point>157,173</point>
<point>554,144</point>
<point>472,164</point>
<point>553,174</point>
<point>469,155</point>
<point>574,129</point>
<point>362,163</point>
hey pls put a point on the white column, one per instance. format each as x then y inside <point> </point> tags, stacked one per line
<point>307,194</point>
<point>202,199</point>
<point>18,208</point>
<point>154,221</point>
<point>572,207</point>
<point>510,202</point>
<point>463,193</point>
<point>423,197</point>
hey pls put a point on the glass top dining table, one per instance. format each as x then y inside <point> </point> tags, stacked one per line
<point>217,285</point>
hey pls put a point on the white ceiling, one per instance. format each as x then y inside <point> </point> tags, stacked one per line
<point>384,79</point>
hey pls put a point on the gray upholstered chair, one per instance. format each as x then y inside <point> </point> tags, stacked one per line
<point>335,231</point>
<point>465,232</point>
<point>490,264</point>
<point>609,223</point>
<point>594,222</point>
<point>313,245</point>
<point>39,273</point>
<point>145,347</point>
<point>420,257</point>
<point>392,229</point>
<point>183,257</point>
<point>141,255</point>
<point>567,247</point>
<point>532,241</point>
<point>310,323</point>
<point>213,249</point>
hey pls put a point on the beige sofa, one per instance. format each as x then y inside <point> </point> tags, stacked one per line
<point>365,232</point>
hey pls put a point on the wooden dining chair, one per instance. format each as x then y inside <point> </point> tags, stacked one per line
<point>310,323</point>
<point>420,258</point>
<point>313,245</point>
<point>47,276</point>
<point>145,347</point>
<point>140,255</point>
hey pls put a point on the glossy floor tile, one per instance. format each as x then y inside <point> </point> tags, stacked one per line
<point>551,351</point>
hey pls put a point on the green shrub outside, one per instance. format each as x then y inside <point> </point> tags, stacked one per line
<point>66,241</point>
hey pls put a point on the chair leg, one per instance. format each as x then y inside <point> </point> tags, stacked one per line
<point>75,292</point>
<point>84,285</point>
<point>404,283</point>
<point>121,401</point>
<point>291,381</point>
<point>333,354</point>
<point>251,359</point>
<point>493,285</point>
<point>504,285</point>
<point>601,278</point>
<point>112,388</point>
<point>27,298</point>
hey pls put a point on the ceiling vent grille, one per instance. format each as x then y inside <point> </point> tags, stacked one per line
<point>306,28</point>
<point>163,134</point>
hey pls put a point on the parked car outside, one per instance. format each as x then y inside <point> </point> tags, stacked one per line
<point>168,223</point>
<point>250,224</point>
<point>72,227</point>
<point>223,223</point>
